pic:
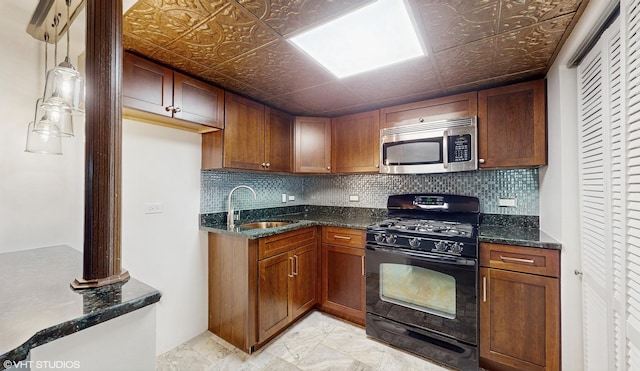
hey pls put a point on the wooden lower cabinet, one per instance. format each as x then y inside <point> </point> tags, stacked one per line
<point>519,311</point>
<point>257,287</point>
<point>287,288</point>
<point>343,274</point>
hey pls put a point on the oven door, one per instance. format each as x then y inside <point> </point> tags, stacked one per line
<point>424,290</point>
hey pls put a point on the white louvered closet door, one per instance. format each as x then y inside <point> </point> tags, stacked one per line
<point>601,156</point>
<point>631,16</point>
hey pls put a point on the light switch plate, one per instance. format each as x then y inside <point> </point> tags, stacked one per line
<point>507,202</point>
<point>354,198</point>
<point>153,208</point>
<point>284,197</point>
<point>292,198</point>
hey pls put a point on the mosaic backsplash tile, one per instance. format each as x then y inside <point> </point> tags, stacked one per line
<point>372,189</point>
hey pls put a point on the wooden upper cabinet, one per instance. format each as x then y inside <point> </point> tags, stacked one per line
<point>159,95</point>
<point>147,86</point>
<point>450,107</point>
<point>243,133</point>
<point>278,141</point>
<point>312,143</point>
<point>197,101</point>
<point>355,143</point>
<point>255,138</point>
<point>512,126</point>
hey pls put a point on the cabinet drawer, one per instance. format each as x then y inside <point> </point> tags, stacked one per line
<point>343,236</point>
<point>544,262</point>
<point>283,242</point>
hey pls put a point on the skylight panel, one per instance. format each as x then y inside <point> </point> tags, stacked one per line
<point>374,36</point>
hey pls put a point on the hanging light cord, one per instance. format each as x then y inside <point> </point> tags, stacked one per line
<point>46,52</point>
<point>56,20</point>
<point>68,28</point>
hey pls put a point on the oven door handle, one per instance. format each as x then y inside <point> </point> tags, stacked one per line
<point>428,257</point>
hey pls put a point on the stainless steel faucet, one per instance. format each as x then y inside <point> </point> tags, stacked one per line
<point>230,211</point>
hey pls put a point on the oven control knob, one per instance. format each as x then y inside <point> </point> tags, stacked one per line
<point>456,248</point>
<point>441,246</point>
<point>391,238</point>
<point>414,242</point>
<point>379,237</point>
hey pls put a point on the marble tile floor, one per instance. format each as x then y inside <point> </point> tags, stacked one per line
<point>316,342</point>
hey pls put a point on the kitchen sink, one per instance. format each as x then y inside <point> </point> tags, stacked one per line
<point>265,224</point>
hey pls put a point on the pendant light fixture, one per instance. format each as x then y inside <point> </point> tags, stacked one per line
<point>42,143</point>
<point>64,87</point>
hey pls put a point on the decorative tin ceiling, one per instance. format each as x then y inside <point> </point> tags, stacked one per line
<point>240,45</point>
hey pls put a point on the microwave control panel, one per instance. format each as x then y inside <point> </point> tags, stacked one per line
<point>459,148</point>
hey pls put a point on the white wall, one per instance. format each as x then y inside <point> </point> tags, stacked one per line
<point>559,208</point>
<point>42,197</point>
<point>165,250</point>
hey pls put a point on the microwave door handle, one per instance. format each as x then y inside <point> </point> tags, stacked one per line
<point>445,149</point>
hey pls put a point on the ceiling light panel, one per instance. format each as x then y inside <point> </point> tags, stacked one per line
<point>374,36</point>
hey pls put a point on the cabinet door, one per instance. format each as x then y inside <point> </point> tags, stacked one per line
<point>355,143</point>
<point>274,311</point>
<point>512,125</point>
<point>519,320</point>
<point>197,101</point>
<point>343,281</point>
<point>147,86</point>
<point>305,277</point>
<point>312,145</point>
<point>444,108</point>
<point>243,133</point>
<point>278,141</point>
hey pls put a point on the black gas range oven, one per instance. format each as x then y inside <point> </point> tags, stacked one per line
<point>422,277</point>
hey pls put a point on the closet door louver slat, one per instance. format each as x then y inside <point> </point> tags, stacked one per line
<point>631,17</point>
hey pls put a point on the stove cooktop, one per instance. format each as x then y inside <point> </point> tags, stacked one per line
<point>427,227</point>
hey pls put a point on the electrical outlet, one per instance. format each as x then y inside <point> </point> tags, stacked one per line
<point>292,198</point>
<point>153,208</point>
<point>354,198</point>
<point>284,197</point>
<point>507,202</point>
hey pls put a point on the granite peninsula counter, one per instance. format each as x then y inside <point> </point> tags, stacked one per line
<point>37,304</point>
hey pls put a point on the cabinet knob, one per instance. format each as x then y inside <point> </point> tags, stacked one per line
<point>328,167</point>
<point>267,164</point>
<point>177,109</point>
<point>263,164</point>
<point>169,108</point>
<point>481,161</point>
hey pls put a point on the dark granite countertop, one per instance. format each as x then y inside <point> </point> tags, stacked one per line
<point>37,304</point>
<point>299,216</point>
<point>503,229</point>
<point>515,230</point>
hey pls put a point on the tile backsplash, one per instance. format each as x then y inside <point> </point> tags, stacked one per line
<point>371,189</point>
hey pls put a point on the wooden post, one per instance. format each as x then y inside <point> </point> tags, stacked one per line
<point>103,157</point>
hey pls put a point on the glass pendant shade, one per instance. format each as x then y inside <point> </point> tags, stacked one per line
<point>64,89</point>
<point>42,144</point>
<point>55,121</point>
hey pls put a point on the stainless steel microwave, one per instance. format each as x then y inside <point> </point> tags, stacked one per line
<point>430,147</point>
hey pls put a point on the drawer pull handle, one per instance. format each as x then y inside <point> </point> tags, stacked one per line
<point>484,289</point>
<point>295,273</point>
<point>342,237</point>
<point>517,260</point>
<point>363,265</point>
